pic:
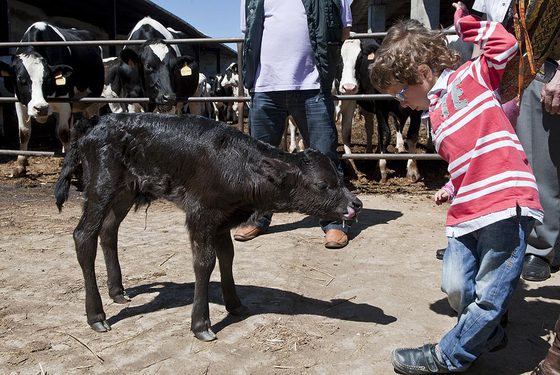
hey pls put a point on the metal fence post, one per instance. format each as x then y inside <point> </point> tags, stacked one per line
<point>240,87</point>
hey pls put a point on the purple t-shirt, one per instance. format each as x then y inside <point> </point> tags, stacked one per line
<point>287,61</point>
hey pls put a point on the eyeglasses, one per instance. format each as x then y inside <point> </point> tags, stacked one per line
<point>400,95</point>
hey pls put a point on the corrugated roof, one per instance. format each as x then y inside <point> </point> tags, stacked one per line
<point>128,13</point>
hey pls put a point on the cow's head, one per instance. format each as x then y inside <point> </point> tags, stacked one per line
<point>356,57</point>
<point>157,61</point>
<point>32,79</point>
<point>231,76</point>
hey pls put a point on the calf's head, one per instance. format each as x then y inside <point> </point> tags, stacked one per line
<point>311,185</point>
<point>32,79</point>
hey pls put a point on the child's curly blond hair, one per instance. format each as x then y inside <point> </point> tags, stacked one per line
<point>407,45</point>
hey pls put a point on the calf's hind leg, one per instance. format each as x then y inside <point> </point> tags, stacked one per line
<point>108,238</point>
<point>96,207</point>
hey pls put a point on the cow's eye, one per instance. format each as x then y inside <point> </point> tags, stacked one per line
<point>148,68</point>
<point>22,81</point>
<point>322,185</point>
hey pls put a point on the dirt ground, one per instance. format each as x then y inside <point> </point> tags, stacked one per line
<point>312,310</point>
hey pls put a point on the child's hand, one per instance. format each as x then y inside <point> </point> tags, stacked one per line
<point>441,196</point>
<point>461,10</point>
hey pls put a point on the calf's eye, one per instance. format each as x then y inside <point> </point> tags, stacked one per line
<point>322,185</point>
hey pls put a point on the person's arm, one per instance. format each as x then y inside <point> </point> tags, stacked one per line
<point>496,44</point>
<point>346,16</point>
<point>242,20</point>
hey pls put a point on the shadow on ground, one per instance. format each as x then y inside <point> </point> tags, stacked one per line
<point>259,300</point>
<point>366,218</point>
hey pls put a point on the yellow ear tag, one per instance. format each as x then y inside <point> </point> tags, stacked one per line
<point>186,71</point>
<point>60,80</point>
<point>371,56</point>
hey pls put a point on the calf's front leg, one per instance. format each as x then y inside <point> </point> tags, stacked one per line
<point>204,261</point>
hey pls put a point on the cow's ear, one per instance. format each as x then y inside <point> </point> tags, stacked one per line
<point>187,66</point>
<point>60,73</point>
<point>6,70</point>
<point>129,56</point>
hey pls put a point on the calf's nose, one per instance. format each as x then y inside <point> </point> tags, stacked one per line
<point>356,204</point>
<point>169,98</point>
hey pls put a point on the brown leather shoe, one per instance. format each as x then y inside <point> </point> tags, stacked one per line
<point>335,239</point>
<point>247,233</point>
<point>551,363</point>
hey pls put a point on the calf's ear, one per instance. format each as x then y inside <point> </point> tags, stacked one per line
<point>274,170</point>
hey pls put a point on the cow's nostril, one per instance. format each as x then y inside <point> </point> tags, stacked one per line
<point>42,110</point>
<point>357,204</point>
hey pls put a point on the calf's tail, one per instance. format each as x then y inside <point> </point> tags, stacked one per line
<point>72,160</point>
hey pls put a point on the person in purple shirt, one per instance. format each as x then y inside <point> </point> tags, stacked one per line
<point>289,64</point>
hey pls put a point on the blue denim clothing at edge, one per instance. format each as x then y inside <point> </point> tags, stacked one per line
<point>313,112</point>
<point>480,272</point>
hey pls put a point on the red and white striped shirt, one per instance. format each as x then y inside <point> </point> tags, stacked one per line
<point>489,169</point>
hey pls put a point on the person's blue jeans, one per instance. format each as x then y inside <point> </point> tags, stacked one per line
<point>313,112</point>
<point>480,272</point>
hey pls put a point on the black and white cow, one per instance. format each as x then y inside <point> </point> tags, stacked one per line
<point>231,79</point>
<point>122,80</point>
<point>166,72</point>
<point>354,79</point>
<point>37,73</point>
<point>203,91</point>
<point>223,111</point>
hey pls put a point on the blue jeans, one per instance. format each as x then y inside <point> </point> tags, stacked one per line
<point>480,273</point>
<point>313,112</point>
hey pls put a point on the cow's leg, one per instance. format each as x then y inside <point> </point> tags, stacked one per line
<point>412,171</point>
<point>24,127</point>
<point>368,124</point>
<point>103,187</point>
<point>225,254</point>
<point>108,239</point>
<point>204,261</point>
<point>383,140</point>
<point>347,108</point>
<point>400,140</point>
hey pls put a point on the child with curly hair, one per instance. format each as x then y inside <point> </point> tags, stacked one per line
<point>495,196</point>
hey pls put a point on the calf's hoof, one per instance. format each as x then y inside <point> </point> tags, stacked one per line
<point>121,298</point>
<point>206,335</point>
<point>19,171</point>
<point>413,175</point>
<point>100,326</point>
<point>240,310</point>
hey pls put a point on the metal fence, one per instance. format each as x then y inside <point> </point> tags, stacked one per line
<point>238,99</point>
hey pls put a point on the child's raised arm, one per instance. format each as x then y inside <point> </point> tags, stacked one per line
<point>497,45</point>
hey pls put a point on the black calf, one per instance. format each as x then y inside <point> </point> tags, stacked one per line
<point>217,174</point>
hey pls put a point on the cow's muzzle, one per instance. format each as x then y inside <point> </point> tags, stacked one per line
<point>352,209</point>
